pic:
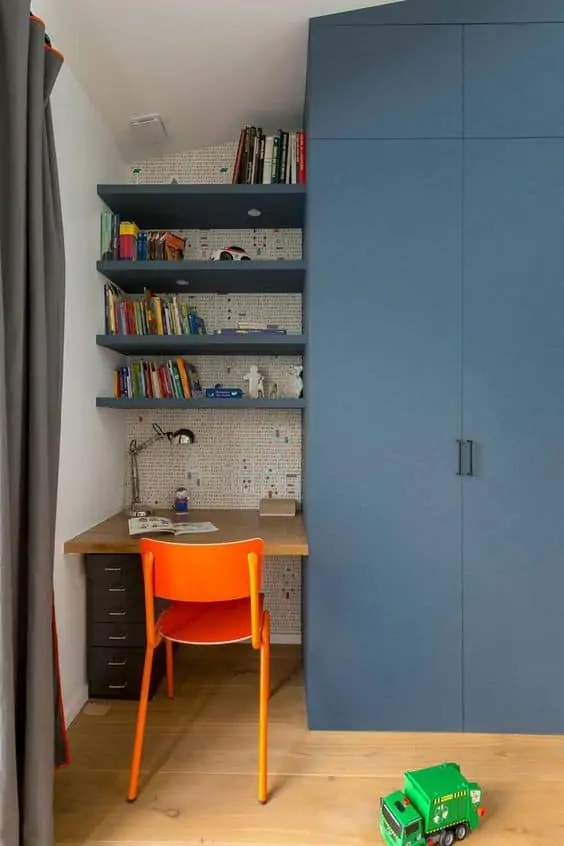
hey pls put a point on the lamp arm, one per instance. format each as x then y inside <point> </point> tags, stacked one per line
<point>181,435</point>
<point>135,448</point>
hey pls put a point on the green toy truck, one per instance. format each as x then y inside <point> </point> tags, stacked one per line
<point>437,806</point>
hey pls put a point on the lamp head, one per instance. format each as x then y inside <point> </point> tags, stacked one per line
<point>182,436</point>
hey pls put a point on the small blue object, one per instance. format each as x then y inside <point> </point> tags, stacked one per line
<point>219,392</point>
<point>181,501</point>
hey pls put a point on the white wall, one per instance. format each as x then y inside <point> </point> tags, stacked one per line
<point>92,460</point>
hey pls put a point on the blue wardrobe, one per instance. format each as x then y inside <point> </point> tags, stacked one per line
<point>434,453</point>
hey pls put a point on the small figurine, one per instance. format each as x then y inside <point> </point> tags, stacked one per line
<point>181,501</point>
<point>274,391</point>
<point>296,381</point>
<point>255,382</point>
<point>437,805</point>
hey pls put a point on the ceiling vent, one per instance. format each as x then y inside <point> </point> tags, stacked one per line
<point>149,128</point>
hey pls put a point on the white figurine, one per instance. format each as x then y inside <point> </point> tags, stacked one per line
<point>296,382</point>
<point>255,380</point>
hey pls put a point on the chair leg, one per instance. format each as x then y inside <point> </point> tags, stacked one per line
<point>140,727</point>
<point>263,707</point>
<point>169,669</point>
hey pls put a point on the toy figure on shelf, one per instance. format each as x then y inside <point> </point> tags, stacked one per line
<point>274,391</point>
<point>255,382</point>
<point>296,382</point>
<point>437,806</point>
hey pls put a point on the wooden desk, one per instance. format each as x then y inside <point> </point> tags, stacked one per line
<point>115,604</point>
<point>282,535</point>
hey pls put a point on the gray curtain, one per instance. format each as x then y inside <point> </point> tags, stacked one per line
<point>31,345</point>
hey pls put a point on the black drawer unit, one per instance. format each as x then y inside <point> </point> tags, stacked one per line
<point>115,672</point>
<point>115,609</point>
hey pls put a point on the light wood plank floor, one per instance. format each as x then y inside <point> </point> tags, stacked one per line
<point>198,783</point>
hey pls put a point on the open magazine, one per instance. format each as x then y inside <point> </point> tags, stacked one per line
<point>151,525</point>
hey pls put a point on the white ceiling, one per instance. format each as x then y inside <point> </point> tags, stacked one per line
<point>206,66</point>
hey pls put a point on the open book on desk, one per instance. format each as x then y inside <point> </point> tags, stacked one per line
<point>152,525</point>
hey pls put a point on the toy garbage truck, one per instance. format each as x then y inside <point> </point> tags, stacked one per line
<point>437,806</point>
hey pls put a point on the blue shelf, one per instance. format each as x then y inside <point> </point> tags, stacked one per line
<point>245,402</point>
<point>207,206</point>
<point>204,344</point>
<point>206,277</point>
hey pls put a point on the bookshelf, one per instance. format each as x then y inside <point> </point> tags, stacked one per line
<point>223,206</point>
<point>206,277</point>
<point>153,345</point>
<point>244,402</point>
<point>194,206</point>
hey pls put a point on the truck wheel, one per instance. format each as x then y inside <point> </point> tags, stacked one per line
<point>447,838</point>
<point>461,831</point>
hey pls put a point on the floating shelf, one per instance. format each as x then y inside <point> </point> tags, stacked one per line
<point>223,206</point>
<point>255,344</point>
<point>245,402</point>
<point>206,277</point>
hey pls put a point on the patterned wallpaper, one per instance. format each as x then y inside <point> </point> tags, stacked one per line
<point>239,456</point>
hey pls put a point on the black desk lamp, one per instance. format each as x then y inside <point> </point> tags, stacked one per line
<point>180,436</point>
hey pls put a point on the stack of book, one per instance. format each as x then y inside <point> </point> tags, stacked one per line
<point>150,315</point>
<point>123,240</point>
<point>263,159</point>
<point>173,379</point>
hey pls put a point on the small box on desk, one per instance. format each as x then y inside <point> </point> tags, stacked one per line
<point>277,507</point>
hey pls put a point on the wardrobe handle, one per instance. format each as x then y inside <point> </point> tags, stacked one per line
<point>459,463</point>
<point>470,445</point>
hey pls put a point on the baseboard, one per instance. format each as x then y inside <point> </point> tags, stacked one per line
<point>74,706</point>
<point>286,638</point>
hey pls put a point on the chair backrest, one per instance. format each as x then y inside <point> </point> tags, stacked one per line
<point>212,572</point>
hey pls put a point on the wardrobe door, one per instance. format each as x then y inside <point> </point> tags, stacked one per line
<point>385,82</point>
<point>513,410</point>
<point>513,80</point>
<point>382,611</point>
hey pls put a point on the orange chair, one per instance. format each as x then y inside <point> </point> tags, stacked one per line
<point>215,598</point>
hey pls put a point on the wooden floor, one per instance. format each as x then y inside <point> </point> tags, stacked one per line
<point>198,782</point>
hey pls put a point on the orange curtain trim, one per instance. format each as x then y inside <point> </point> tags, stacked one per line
<point>47,46</point>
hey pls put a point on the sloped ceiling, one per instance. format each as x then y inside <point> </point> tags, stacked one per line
<point>206,66</point>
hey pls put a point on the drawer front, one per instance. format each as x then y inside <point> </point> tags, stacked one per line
<point>114,574</point>
<point>115,673</point>
<point>117,635</point>
<point>115,607</point>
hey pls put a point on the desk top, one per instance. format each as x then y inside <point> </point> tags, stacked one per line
<point>281,535</point>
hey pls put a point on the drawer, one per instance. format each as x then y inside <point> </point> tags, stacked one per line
<point>114,574</point>
<point>115,673</point>
<point>117,635</point>
<point>115,607</point>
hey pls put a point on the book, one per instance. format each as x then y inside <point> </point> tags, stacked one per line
<point>149,314</point>
<point>155,525</point>
<point>263,159</point>
<point>172,379</point>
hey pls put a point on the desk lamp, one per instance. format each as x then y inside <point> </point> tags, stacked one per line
<point>180,436</point>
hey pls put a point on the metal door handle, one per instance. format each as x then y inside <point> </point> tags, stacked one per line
<point>459,463</point>
<point>470,445</point>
